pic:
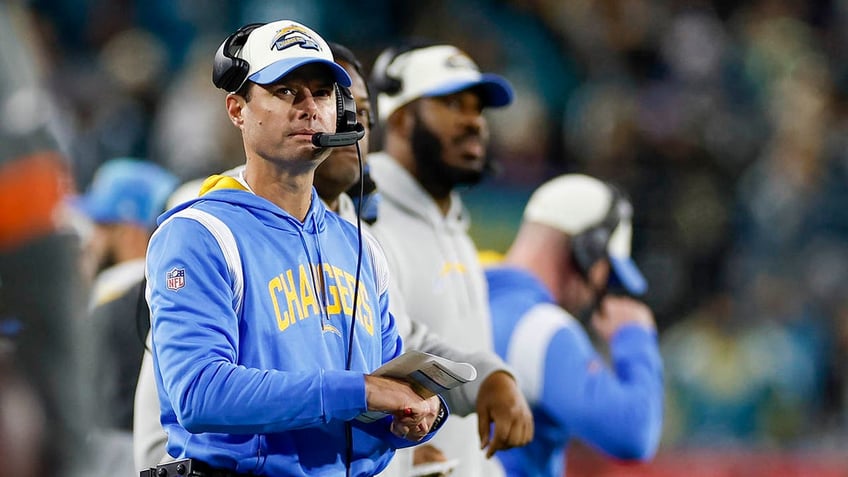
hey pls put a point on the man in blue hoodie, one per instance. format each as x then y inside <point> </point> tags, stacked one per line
<point>574,241</point>
<point>265,323</point>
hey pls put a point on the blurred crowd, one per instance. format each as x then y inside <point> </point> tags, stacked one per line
<point>724,121</point>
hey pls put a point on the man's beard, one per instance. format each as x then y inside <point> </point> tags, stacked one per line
<point>432,168</point>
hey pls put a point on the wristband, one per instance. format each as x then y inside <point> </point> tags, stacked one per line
<point>439,417</point>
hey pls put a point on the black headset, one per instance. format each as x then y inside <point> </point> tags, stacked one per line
<point>348,130</point>
<point>229,72</point>
<point>381,80</point>
<point>590,245</point>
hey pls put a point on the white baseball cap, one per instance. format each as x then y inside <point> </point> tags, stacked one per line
<point>277,48</point>
<point>436,71</point>
<point>575,203</point>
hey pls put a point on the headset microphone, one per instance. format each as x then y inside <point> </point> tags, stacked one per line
<point>339,139</point>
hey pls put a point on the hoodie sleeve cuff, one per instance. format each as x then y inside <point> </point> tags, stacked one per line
<point>343,394</point>
<point>463,399</point>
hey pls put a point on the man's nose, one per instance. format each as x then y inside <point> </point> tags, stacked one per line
<point>307,104</point>
<point>473,121</point>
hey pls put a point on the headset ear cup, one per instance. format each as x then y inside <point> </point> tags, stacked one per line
<point>392,86</point>
<point>589,247</point>
<point>345,110</point>
<point>580,255</point>
<point>221,67</point>
<point>380,78</point>
<point>233,76</point>
<point>229,72</point>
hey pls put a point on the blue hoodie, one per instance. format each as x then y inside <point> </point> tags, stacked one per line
<point>250,339</point>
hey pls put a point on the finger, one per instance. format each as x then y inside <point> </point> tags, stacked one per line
<point>419,433</point>
<point>502,436</point>
<point>399,429</point>
<point>496,442</point>
<point>491,450</point>
<point>484,423</point>
<point>529,431</point>
<point>523,433</point>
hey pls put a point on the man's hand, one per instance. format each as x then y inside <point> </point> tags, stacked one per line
<point>413,414</point>
<point>501,402</point>
<point>617,311</point>
<point>410,426</point>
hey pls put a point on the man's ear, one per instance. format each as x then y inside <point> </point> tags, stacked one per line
<point>235,108</point>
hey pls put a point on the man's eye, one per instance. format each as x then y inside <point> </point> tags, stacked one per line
<point>285,91</point>
<point>453,103</point>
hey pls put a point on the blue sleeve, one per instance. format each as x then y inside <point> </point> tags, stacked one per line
<point>617,410</point>
<point>195,335</point>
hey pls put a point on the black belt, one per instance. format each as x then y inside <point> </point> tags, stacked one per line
<point>189,468</point>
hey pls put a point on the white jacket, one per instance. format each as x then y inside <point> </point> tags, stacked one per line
<point>436,271</point>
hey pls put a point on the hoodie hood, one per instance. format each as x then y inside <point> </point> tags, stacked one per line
<point>229,190</point>
<point>397,185</point>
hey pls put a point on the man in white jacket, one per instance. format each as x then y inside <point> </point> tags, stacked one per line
<point>430,105</point>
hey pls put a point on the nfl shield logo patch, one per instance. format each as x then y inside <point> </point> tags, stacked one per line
<point>175,278</point>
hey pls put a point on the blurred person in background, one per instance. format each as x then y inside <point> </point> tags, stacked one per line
<point>123,201</point>
<point>574,240</point>
<point>431,101</point>
<point>41,295</point>
<point>341,172</point>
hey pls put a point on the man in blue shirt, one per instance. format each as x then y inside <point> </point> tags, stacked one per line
<point>253,287</point>
<point>574,241</point>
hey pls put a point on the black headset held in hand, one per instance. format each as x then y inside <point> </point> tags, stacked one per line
<point>229,72</point>
<point>589,246</point>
